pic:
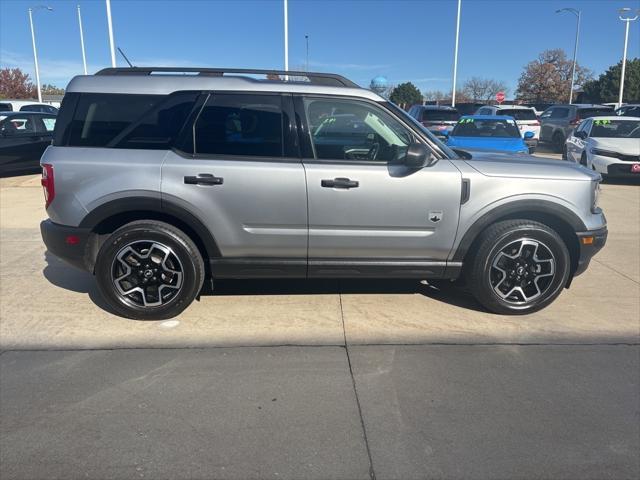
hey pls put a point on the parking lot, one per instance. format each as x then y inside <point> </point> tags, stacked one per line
<point>430,385</point>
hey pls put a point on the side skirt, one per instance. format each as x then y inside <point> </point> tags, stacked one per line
<point>332,268</point>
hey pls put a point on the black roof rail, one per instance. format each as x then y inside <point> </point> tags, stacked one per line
<point>315,78</point>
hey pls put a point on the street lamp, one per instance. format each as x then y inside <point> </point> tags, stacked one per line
<point>84,57</point>
<point>455,57</point>
<point>33,40</point>
<point>306,37</point>
<point>627,20</point>
<point>577,13</point>
<point>286,36</point>
<point>112,47</point>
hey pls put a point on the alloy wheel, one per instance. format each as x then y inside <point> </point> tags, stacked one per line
<point>147,273</point>
<point>522,271</point>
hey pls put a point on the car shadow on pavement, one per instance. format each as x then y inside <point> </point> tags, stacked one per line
<point>65,276</point>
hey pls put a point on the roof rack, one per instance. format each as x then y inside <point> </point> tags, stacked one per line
<point>326,79</point>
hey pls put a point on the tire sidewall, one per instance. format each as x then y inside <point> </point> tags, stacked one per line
<point>562,266</point>
<point>192,279</point>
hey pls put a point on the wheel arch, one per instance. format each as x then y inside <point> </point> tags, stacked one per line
<point>559,218</point>
<point>110,216</point>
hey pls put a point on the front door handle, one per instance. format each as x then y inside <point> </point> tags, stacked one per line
<point>203,179</point>
<point>340,183</point>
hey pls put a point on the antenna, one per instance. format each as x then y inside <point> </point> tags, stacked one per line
<point>125,57</point>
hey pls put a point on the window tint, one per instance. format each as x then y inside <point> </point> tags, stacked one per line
<point>436,115</point>
<point>5,107</point>
<point>100,117</point>
<point>519,113</point>
<point>559,112</point>
<point>474,127</point>
<point>616,129</point>
<point>629,111</point>
<point>159,128</point>
<point>18,125</point>
<point>349,130</point>
<point>236,124</point>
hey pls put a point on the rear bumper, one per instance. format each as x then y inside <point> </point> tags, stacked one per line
<point>591,242</point>
<point>622,170</point>
<point>70,244</point>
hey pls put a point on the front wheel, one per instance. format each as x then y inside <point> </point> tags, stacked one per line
<point>519,267</point>
<point>149,270</point>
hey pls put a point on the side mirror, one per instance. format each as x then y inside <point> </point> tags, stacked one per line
<point>418,156</point>
<point>529,135</point>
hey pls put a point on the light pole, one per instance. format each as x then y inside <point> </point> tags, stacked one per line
<point>627,21</point>
<point>577,13</point>
<point>35,53</point>
<point>84,57</point>
<point>286,36</point>
<point>111,43</point>
<point>455,57</point>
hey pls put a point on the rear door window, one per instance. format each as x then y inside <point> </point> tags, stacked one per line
<point>18,125</point>
<point>240,124</point>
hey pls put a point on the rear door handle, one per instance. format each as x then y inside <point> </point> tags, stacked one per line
<point>340,183</point>
<point>203,179</point>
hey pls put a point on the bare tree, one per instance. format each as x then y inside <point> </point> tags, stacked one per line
<point>548,78</point>
<point>482,90</point>
<point>434,96</point>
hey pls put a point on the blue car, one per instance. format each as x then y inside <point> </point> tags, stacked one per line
<point>488,132</point>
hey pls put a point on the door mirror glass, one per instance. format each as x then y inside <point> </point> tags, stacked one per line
<point>418,156</point>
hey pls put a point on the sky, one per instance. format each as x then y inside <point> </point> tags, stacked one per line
<point>403,40</point>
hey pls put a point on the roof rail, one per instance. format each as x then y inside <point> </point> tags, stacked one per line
<point>326,79</point>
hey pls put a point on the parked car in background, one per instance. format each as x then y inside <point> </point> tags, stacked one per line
<point>631,110</point>
<point>539,108</point>
<point>609,145</point>
<point>488,132</point>
<point>26,106</point>
<point>525,117</point>
<point>24,136</point>
<point>558,121</point>
<point>437,119</point>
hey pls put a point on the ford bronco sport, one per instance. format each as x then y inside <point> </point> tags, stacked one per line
<point>160,178</point>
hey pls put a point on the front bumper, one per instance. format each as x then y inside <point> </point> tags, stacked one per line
<point>71,244</point>
<point>591,242</point>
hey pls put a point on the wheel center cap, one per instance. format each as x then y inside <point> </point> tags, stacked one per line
<point>520,270</point>
<point>148,273</point>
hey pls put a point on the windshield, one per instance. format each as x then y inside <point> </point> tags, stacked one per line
<point>615,129</point>
<point>429,115</point>
<point>409,119</point>
<point>519,113</point>
<point>486,128</point>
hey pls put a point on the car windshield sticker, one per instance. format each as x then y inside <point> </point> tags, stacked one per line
<point>467,120</point>
<point>601,122</point>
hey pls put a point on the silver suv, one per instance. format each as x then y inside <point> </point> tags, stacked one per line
<point>160,178</point>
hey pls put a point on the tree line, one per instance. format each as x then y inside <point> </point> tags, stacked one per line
<point>547,79</point>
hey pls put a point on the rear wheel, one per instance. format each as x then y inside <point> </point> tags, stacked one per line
<point>149,270</point>
<point>520,267</point>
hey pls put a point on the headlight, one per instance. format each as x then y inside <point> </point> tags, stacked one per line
<point>604,153</point>
<point>595,194</point>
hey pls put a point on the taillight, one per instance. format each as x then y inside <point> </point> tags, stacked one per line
<point>48,184</point>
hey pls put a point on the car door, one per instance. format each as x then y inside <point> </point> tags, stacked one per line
<point>240,175</point>
<point>19,142</point>
<point>369,214</point>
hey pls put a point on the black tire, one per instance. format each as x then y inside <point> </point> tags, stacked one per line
<point>490,271</point>
<point>558,142</point>
<point>161,288</point>
<point>565,155</point>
